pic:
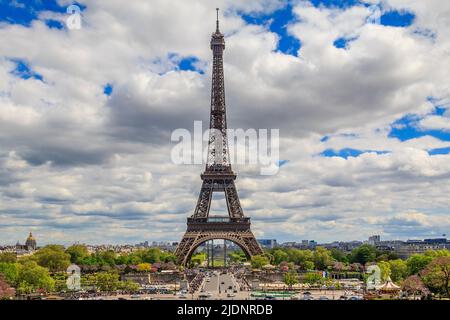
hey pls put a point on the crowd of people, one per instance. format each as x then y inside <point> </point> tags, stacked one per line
<point>196,282</point>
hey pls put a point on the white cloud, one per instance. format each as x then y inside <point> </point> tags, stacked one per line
<point>436,123</point>
<point>78,165</point>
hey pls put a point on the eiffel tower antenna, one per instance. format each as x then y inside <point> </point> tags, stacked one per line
<point>217,21</point>
<point>217,177</point>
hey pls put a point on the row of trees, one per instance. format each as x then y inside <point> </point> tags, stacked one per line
<point>322,258</point>
<point>27,277</point>
<point>319,259</point>
<point>79,255</point>
<point>100,281</point>
<point>419,273</point>
<point>46,269</point>
<point>56,258</point>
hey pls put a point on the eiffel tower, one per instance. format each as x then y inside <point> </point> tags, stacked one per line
<point>217,177</point>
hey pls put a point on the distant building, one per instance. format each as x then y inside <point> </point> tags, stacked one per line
<point>411,247</point>
<point>437,240</point>
<point>374,240</point>
<point>30,243</point>
<point>142,244</point>
<point>268,243</point>
<point>303,245</point>
<point>289,244</point>
<point>312,244</point>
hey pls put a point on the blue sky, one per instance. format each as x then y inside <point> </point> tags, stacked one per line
<point>358,90</point>
<point>25,12</point>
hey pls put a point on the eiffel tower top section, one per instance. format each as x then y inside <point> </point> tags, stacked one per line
<point>217,39</point>
<point>218,163</point>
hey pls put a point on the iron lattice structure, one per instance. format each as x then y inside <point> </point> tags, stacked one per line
<point>218,177</point>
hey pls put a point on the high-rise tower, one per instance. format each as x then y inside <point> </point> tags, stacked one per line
<point>217,177</point>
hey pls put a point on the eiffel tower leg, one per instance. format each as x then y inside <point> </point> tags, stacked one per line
<point>192,239</point>
<point>212,253</point>
<point>204,200</point>
<point>233,203</point>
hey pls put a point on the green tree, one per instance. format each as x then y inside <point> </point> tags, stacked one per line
<point>279,255</point>
<point>151,255</point>
<point>299,257</point>
<point>198,258</point>
<point>437,253</point>
<point>290,278</point>
<point>168,257</point>
<point>128,286</point>
<point>385,269</point>
<point>417,262</point>
<point>258,261</point>
<point>307,265</point>
<point>322,258</point>
<point>399,270</point>
<point>10,271</point>
<point>392,255</point>
<point>106,281</point>
<point>237,256</point>
<point>52,257</point>
<point>312,278</point>
<point>77,253</point>
<point>60,281</point>
<point>107,257</point>
<point>33,277</point>
<point>9,257</point>
<point>363,254</point>
<point>144,267</point>
<point>133,258</point>
<point>338,255</point>
<point>437,275</point>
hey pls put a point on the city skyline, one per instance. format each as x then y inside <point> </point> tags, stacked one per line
<point>358,89</point>
<point>151,242</point>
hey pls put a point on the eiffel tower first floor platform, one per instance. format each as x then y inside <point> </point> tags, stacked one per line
<point>200,230</point>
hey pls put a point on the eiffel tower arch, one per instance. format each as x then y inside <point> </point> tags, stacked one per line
<point>217,177</point>
<point>193,239</point>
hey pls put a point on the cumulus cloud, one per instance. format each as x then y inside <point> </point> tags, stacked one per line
<point>436,123</point>
<point>78,164</point>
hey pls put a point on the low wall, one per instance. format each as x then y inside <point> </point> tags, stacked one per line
<point>154,278</point>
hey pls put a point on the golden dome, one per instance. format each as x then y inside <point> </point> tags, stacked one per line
<point>30,237</point>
